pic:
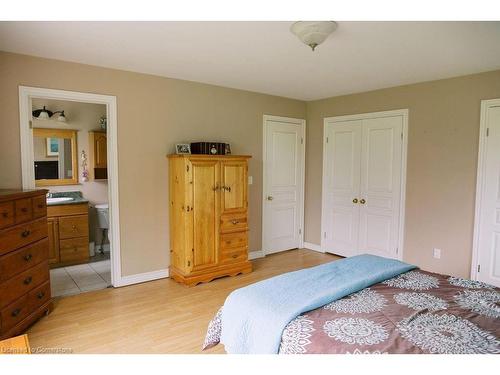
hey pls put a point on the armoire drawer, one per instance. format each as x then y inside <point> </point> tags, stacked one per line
<point>230,223</point>
<point>6,214</point>
<point>23,234</point>
<point>233,240</point>
<point>233,255</point>
<point>24,282</point>
<point>73,226</point>
<point>23,259</point>
<point>74,249</point>
<point>14,313</point>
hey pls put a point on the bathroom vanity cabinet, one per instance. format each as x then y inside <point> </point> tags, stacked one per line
<point>68,233</point>
<point>24,267</point>
<point>208,217</point>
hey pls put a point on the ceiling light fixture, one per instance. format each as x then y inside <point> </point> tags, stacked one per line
<point>313,33</point>
<point>45,114</point>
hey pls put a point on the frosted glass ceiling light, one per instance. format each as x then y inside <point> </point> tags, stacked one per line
<point>313,33</point>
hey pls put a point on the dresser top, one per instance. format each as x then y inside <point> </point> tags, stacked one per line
<point>10,194</point>
<point>205,156</point>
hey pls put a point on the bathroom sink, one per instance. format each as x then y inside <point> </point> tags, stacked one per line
<point>59,199</point>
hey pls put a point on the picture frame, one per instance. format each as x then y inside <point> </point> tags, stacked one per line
<point>183,148</point>
<point>228,149</point>
<point>52,146</point>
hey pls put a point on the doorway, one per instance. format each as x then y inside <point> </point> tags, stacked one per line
<point>70,230</point>
<point>364,175</point>
<point>283,183</point>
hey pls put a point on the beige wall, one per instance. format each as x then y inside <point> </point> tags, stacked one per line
<point>154,113</point>
<point>441,171</point>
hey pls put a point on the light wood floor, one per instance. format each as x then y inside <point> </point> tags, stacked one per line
<point>155,317</point>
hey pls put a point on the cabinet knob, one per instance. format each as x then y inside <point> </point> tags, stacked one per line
<point>234,222</point>
<point>73,227</point>
<point>15,313</point>
<point>235,256</point>
<point>24,209</point>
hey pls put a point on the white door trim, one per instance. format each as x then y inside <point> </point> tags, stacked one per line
<point>485,105</point>
<point>28,178</point>
<point>398,112</point>
<point>289,120</point>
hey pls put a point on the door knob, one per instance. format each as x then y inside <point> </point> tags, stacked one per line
<point>362,201</point>
<point>355,200</point>
<point>270,198</point>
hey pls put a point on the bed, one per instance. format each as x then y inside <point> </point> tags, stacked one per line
<point>413,311</point>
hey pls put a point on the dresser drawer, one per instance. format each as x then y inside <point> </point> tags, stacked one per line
<point>74,249</point>
<point>233,256</point>
<point>230,223</point>
<point>38,296</point>
<point>24,210</point>
<point>22,235</point>
<point>233,240</point>
<point>6,214</point>
<point>14,313</point>
<point>24,282</point>
<point>23,259</point>
<point>39,205</point>
<point>73,226</point>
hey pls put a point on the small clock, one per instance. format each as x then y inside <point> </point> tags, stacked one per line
<point>213,149</point>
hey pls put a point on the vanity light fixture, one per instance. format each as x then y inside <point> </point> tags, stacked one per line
<point>313,33</point>
<point>45,114</point>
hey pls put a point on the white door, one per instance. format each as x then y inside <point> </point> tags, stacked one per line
<point>489,216</point>
<point>283,183</point>
<point>379,197</point>
<point>362,173</point>
<point>341,186</point>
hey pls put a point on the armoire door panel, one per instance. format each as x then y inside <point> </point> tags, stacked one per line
<point>205,212</point>
<point>233,186</point>
<point>342,174</point>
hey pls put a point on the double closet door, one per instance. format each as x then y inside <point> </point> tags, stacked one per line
<point>362,175</point>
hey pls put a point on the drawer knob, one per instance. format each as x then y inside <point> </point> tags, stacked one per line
<point>5,214</point>
<point>16,312</point>
<point>234,222</point>
<point>25,233</point>
<point>40,295</point>
<point>73,227</point>
<point>28,280</point>
<point>235,256</point>
<point>28,257</point>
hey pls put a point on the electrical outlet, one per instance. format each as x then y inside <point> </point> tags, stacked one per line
<point>436,253</point>
<point>250,180</point>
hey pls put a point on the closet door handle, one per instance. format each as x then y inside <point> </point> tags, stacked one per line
<point>355,200</point>
<point>362,201</point>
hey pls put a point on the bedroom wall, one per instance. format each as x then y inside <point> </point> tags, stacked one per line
<point>442,163</point>
<point>154,113</point>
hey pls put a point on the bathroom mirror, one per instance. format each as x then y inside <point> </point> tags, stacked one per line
<point>55,157</point>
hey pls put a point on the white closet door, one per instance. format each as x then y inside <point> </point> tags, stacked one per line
<point>380,186</point>
<point>489,229</point>
<point>342,157</point>
<point>284,184</point>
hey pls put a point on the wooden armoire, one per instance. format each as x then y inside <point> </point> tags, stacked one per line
<point>208,217</point>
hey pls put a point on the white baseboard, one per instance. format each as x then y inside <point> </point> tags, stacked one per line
<point>142,278</point>
<point>256,254</point>
<point>313,246</point>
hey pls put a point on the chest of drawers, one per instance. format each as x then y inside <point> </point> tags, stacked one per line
<point>24,267</point>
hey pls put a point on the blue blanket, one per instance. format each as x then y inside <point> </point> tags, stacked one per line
<point>253,317</point>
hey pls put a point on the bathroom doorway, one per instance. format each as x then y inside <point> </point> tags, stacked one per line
<point>68,146</point>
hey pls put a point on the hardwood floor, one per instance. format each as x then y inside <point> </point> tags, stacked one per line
<point>156,317</point>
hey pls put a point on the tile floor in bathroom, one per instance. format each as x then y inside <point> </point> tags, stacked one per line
<point>81,278</point>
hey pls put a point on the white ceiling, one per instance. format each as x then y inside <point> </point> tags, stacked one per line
<point>264,56</point>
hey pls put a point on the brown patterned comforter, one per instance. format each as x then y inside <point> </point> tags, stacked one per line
<point>415,312</point>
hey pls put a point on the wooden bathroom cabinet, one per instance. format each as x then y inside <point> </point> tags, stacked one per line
<point>98,155</point>
<point>208,217</point>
